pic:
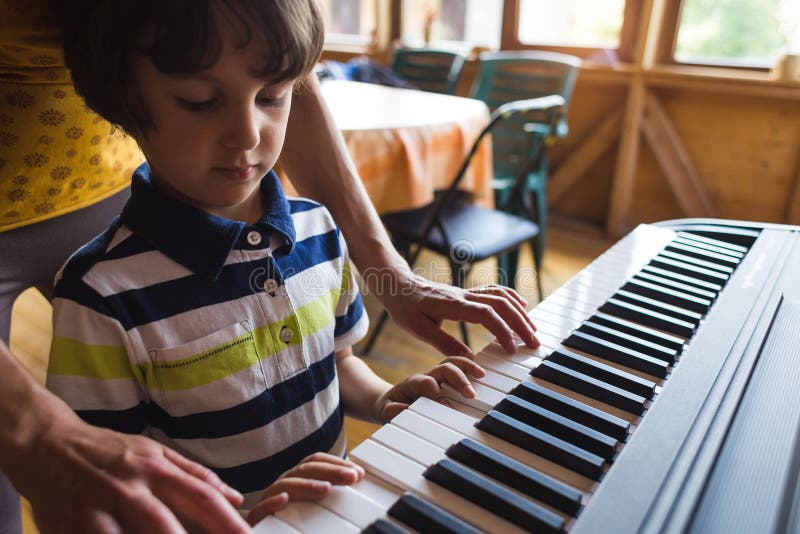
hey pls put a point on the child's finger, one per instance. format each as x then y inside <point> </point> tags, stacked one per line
<point>467,365</point>
<point>267,507</point>
<point>391,410</point>
<point>449,373</point>
<point>334,473</point>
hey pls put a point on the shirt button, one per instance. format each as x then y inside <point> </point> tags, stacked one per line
<point>270,286</point>
<point>253,237</point>
<point>286,334</point>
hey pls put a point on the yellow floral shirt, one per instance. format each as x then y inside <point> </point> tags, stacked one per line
<point>56,155</point>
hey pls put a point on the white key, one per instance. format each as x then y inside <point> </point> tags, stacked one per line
<point>352,506</point>
<point>501,366</point>
<point>407,474</point>
<point>485,397</point>
<point>273,525</point>
<point>378,490</point>
<point>397,439</point>
<point>496,381</point>
<point>311,517</point>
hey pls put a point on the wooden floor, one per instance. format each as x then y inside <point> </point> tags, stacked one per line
<point>395,356</point>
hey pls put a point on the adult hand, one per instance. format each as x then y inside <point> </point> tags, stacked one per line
<point>80,478</point>
<point>419,306</point>
<point>310,480</point>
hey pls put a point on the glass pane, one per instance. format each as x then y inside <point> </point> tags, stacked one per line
<point>736,32</point>
<point>460,24</point>
<point>349,21</point>
<point>590,23</point>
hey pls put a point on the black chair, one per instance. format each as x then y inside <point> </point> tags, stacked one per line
<point>429,69</point>
<point>453,226</point>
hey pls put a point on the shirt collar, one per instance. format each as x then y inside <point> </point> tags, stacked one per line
<point>192,237</point>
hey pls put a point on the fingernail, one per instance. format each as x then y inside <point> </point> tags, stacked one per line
<point>469,392</point>
<point>478,371</point>
<point>231,491</point>
<point>321,485</point>
<point>360,470</point>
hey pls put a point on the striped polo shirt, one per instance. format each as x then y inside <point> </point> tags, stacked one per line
<point>211,336</point>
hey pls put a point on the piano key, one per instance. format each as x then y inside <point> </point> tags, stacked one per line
<point>638,331</point>
<point>711,241</point>
<point>597,346</point>
<point>702,253</point>
<point>556,302</point>
<point>648,317</point>
<point>692,280</point>
<point>308,516</point>
<point>407,474</point>
<point>516,475</point>
<point>687,269</point>
<point>378,490</point>
<point>589,386</point>
<point>641,345</point>
<point>273,525</point>
<point>492,496</point>
<point>423,516</point>
<point>711,248</point>
<point>500,382</point>
<point>674,284</point>
<point>501,366</point>
<point>382,526</point>
<point>558,426</point>
<point>577,411</point>
<point>684,258</point>
<point>668,295</point>
<point>466,427</point>
<point>659,306</point>
<point>352,505</point>
<point>485,397</point>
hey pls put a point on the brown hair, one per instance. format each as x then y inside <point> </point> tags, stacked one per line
<point>179,37</point>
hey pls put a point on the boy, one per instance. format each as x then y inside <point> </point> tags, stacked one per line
<point>216,315</point>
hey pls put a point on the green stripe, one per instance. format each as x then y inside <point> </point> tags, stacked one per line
<point>103,362</point>
<point>240,353</point>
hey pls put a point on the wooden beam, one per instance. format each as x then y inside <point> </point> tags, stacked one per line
<point>594,144</point>
<point>674,160</point>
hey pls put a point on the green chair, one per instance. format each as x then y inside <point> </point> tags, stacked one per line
<point>515,75</point>
<point>429,69</point>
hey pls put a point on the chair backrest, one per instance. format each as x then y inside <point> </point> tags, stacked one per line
<point>429,69</point>
<point>517,75</point>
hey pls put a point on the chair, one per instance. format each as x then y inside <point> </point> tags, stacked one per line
<point>514,75</point>
<point>453,226</point>
<point>429,69</point>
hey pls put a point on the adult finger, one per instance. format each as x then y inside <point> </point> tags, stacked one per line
<point>513,297</point>
<point>516,320</point>
<point>267,507</point>
<point>205,474</point>
<point>478,312</point>
<point>432,333</point>
<point>101,522</point>
<point>143,512</point>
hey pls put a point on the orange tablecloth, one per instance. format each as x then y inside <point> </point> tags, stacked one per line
<point>406,144</point>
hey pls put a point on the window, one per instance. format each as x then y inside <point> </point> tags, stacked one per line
<point>737,32</point>
<point>459,24</point>
<point>349,22</point>
<point>581,23</point>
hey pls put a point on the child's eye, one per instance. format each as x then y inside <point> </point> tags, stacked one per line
<point>271,102</point>
<point>193,105</point>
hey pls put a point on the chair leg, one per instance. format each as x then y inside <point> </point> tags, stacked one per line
<point>537,264</point>
<point>459,273</point>
<point>374,336</point>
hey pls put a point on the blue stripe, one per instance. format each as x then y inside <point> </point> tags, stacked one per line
<point>255,413</point>
<point>297,205</point>
<point>257,475</point>
<point>130,421</point>
<point>308,253</point>
<point>130,246</point>
<point>350,318</point>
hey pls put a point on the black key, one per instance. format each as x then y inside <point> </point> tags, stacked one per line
<point>684,258</point>
<point>626,310</point>
<point>591,387</point>
<point>382,526</point>
<point>424,516</point>
<point>602,348</point>
<point>590,416</point>
<point>711,241</point>
<point>493,497</point>
<point>734,254</point>
<point>670,296</point>
<point>677,286</point>
<point>639,331</point>
<point>660,307</point>
<point>686,269</point>
<point>538,442</point>
<point>702,253</point>
<point>692,280</point>
<point>517,475</point>
<point>559,426</point>
<point>641,345</point>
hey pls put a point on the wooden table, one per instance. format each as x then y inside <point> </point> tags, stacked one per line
<point>407,143</point>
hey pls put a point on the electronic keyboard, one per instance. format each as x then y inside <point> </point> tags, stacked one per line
<point>665,398</point>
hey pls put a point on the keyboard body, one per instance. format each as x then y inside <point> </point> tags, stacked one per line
<point>680,347</point>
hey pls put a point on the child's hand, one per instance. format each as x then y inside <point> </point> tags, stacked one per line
<point>310,480</point>
<point>452,371</point>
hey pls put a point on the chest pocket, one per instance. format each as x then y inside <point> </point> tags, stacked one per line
<point>215,372</point>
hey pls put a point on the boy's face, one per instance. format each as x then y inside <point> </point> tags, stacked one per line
<point>217,132</point>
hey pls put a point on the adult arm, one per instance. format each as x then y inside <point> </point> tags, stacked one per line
<point>327,174</point>
<point>80,478</point>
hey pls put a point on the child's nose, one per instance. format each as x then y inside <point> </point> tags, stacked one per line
<point>243,128</point>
